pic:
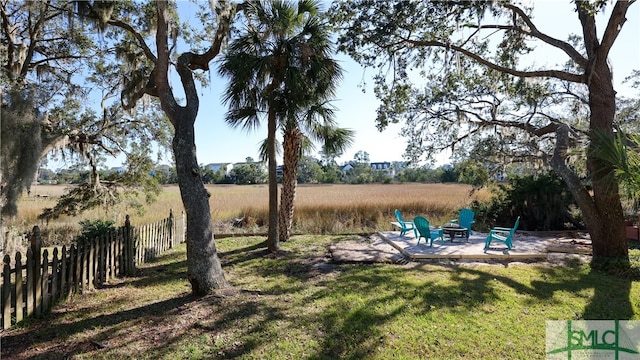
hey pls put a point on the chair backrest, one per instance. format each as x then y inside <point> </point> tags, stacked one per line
<point>422,224</point>
<point>399,217</point>
<point>465,217</point>
<point>515,226</point>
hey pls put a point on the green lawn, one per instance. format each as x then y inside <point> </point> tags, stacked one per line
<point>298,306</point>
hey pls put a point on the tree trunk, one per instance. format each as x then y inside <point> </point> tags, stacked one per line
<point>607,231</point>
<point>600,207</point>
<point>292,141</point>
<point>273,242</point>
<point>204,270</point>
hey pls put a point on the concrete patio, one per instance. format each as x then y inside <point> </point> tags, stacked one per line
<point>524,247</point>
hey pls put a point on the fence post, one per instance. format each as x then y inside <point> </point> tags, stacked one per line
<point>55,277</point>
<point>36,246</point>
<point>75,269</point>
<point>91,263</point>
<point>63,273</point>
<point>29,266</point>
<point>6,292</point>
<point>119,245</point>
<point>171,229</point>
<point>45,282</point>
<point>129,245</point>
<point>81,274</point>
<point>102,255</point>
<point>19,289</point>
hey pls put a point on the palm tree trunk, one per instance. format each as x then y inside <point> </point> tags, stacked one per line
<point>292,143</point>
<point>273,244</point>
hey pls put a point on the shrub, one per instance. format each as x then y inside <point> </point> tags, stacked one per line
<point>543,202</point>
<point>92,229</point>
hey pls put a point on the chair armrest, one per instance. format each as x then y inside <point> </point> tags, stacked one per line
<point>500,236</point>
<point>499,232</point>
<point>501,228</point>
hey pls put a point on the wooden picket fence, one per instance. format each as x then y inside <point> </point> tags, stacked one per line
<point>31,286</point>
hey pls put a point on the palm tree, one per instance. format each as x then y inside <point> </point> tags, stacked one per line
<point>278,66</point>
<point>299,132</point>
<point>620,151</point>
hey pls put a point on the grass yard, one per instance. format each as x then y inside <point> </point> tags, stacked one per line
<point>299,306</point>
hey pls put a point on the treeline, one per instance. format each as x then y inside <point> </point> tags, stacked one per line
<point>310,171</point>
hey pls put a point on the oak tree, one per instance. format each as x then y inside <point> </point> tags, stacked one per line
<point>455,73</point>
<point>146,37</point>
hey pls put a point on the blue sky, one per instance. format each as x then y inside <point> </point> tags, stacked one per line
<point>356,105</point>
<point>356,109</point>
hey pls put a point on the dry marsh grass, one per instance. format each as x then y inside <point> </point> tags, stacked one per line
<point>339,208</point>
<point>320,209</point>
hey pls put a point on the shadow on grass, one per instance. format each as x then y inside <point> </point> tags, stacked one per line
<point>351,331</point>
<point>13,345</point>
<point>250,318</point>
<point>354,332</point>
<point>244,254</point>
<point>611,299</point>
<point>159,274</point>
<point>343,308</point>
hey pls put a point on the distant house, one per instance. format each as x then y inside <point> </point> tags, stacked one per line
<point>164,168</point>
<point>384,166</point>
<point>215,167</point>
<point>399,165</point>
<point>260,164</point>
<point>118,169</point>
<point>347,167</point>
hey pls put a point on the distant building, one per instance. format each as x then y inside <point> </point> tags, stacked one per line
<point>118,169</point>
<point>347,167</point>
<point>260,164</point>
<point>215,167</point>
<point>399,165</point>
<point>384,166</point>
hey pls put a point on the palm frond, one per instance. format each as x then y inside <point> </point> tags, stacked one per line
<point>262,150</point>
<point>281,63</point>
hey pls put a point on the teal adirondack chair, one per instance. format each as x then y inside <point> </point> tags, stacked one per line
<point>465,219</point>
<point>426,232</point>
<point>405,225</point>
<point>504,235</point>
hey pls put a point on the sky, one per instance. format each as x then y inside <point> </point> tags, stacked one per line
<point>356,103</point>
<point>355,109</point>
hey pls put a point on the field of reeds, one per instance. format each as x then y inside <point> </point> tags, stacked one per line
<point>320,209</point>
